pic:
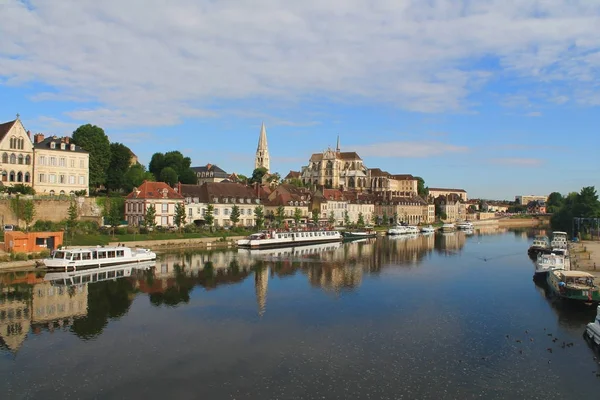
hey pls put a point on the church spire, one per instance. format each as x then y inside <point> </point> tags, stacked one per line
<point>262,150</point>
<point>337,147</point>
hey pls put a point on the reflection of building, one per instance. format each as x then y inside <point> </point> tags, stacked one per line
<point>15,311</point>
<point>335,278</point>
<point>261,283</point>
<point>54,304</point>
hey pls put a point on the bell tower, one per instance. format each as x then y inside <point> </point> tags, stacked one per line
<point>262,151</point>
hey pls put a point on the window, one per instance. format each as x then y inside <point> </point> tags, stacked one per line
<point>62,162</point>
<point>164,221</point>
<point>190,212</point>
<point>216,211</point>
<point>27,177</point>
<point>72,179</point>
<point>52,178</point>
<point>62,179</point>
<point>5,158</point>
<point>28,159</point>
<point>62,146</point>
<point>52,145</point>
<point>129,207</point>
<point>20,159</point>
<point>53,161</point>
<point>72,163</point>
<point>52,193</point>
<point>42,160</point>
<point>11,176</point>
<point>165,207</point>
<point>13,159</point>
<point>226,211</point>
<point>81,164</point>
<point>81,180</point>
<point>72,147</point>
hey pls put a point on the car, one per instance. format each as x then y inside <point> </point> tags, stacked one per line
<point>8,227</point>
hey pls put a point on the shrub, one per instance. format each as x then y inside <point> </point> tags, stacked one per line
<point>19,256</point>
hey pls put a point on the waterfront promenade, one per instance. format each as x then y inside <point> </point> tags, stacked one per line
<point>585,256</point>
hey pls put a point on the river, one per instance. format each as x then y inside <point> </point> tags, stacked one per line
<point>434,317</point>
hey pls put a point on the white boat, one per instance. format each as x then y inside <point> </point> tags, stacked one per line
<point>465,225</point>
<point>397,230</point>
<point>96,274</point>
<point>557,260</point>
<point>448,227</point>
<point>559,240</point>
<point>412,230</point>
<point>427,229</point>
<point>273,238</point>
<point>97,257</point>
<point>593,328</point>
<point>540,244</point>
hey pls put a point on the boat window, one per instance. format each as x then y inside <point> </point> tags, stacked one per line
<point>86,256</point>
<point>102,276</point>
<point>120,273</point>
<point>59,254</point>
<point>120,253</point>
<point>68,255</point>
<point>85,279</point>
<point>77,256</point>
<point>101,254</point>
<point>95,278</point>
<point>111,254</point>
<point>76,280</point>
<point>111,274</point>
<point>94,255</point>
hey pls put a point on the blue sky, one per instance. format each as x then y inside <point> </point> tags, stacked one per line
<point>497,97</point>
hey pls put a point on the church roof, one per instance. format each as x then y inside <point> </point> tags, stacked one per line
<point>342,155</point>
<point>262,138</point>
<point>292,175</point>
<point>5,128</point>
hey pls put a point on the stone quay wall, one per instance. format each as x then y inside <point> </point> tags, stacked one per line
<point>52,209</point>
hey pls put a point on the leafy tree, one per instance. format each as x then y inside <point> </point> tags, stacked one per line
<point>563,219</point>
<point>375,219</point>
<point>209,217</point>
<point>72,215</point>
<point>93,139</point>
<point>259,215</point>
<point>157,163</point>
<point>120,161</point>
<point>331,219</point>
<point>113,212</point>
<point>386,219</point>
<point>346,218</point>
<point>135,176</point>
<point>28,212</point>
<point>297,216</point>
<point>150,217</point>
<point>176,161</point>
<point>315,216</point>
<point>296,182</point>
<point>554,202</point>
<point>280,215</point>
<point>257,175</point>
<point>472,209</point>
<point>234,217</point>
<point>587,205</point>
<point>422,190</point>
<point>242,178</point>
<point>188,176</point>
<point>179,218</point>
<point>169,176</point>
<point>361,220</point>
<point>19,188</point>
<point>274,178</point>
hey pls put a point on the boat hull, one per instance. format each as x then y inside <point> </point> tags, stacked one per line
<point>569,293</point>
<point>99,263</point>
<point>358,235</point>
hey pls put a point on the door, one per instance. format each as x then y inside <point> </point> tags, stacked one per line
<point>50,242</point>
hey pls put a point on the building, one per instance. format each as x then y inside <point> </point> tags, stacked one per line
<point>332,204</point>
<point>31,242</point>
<point>262,151</point>
<point>526,199</point>
<point>60,167</point>
<point>158,194</point>
<point>411,210</point>
<point>536,207</point>
<point>400,185</point>
<point>210,173</point>
<point>360,204</point>
<point>289,198</point>
<point>437,192</point>
<point>223,196</point>
<point>16,154</point>
<point>336,170</point>
<point>292,176</point>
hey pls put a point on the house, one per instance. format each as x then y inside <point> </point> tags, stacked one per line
<point>360,204</point>
<point>289,198</point>
<point>158,194</point>
<point>60,167</point>
<point>536,207</point>
<point>408,209</point>
<point>16,154</point>
<point>209,173</point>
<point>223,196</point>
<point>399,184</point>
<point>292,176</point>
<point>331,203</point>
<point>436,192</point>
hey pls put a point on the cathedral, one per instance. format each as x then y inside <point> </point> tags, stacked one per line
<point>262,151</point>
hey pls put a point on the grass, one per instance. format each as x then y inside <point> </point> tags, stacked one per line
<point>104,239</point>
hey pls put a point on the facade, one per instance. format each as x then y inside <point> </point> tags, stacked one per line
<point>360,204</point>
<point>223,196</point>
<point>410,210</point>
<point>526,199</point>
<point>536,207</point>
<point>331,203</point>
<point>455,210</point>
<point>400,185</point>
<point>60,167</point>
<point>290,198</point>
<point>292,175</point>
<point>22,242</point>
<point>210,173</point>
<point>437,192</point>
<point>262,151</point>
<point>16,154</point>
<point>160,195</point>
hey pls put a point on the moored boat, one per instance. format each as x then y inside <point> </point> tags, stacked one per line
<point>448,227</point>
<point>574,285</point>
<point>465,225</point>
<point>593,329</point>
<point>557,260</point>
<point>559,240</point>
<point>351,235</point>
<point>540,244</point>
<point>274,238</point>
<point>96,257</point>
<point>412,230</point>
<point>397,230</point>
<point>427,229</point>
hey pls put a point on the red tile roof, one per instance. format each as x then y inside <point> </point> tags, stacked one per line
<point>154,190</point>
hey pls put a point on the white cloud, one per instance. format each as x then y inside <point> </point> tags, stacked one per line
<point>518,162</point>
<point>152,62</point>
<point>408,149</point>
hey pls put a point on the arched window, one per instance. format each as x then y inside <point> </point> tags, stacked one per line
<point>28,159</point>
<point>5,158</point>
<point>19,176</point>
<point>13,159</point>
<point>20,158</point>
<point>4,176</point>
<point>13,142</point>
<point>72,193</point>
<point>21,143</point>
<point>27,177</point>
<point>52,193</point>
<point>11,176</point>
<point>62,192</point>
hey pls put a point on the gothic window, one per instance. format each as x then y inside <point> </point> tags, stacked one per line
<point>21,143</point>
<point>4,176</point>
<point>11,176</point>
<point>27,177</point>
<point>19,177</point>
<point>27,159</point>
<point>20,158</point>
<point>13,159</point>
<point>5,158</point>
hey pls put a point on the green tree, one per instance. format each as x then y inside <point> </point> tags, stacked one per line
<point>346,218</point>
<point>296,182</point>
<point>234,217</point>
<point>157,163</point>
<point>135,176</point>
<point>259,216</point>
<point>209,217</point>
<point>315,216</point>
<point>19,188</point>
<point>120,161</point>
<point>386,220</point>
<point>274,178</point>
<point>175,160</point>
<point>257,175</point>
<point>93,139</point>
<point>179,218</point>
<point>395,218</point>
<point>113,212</point>
<point>169,176</point>
<point>150,218</point>
<point>280,216</point>
<point>554,202</point>
<point>331,219</point>
<point>361,220</point>
<point>587,205</point>
<point>28,212</point>
<point>297,216</point>
<point>375,219</point>
<point>422,190</point>
<point>72,216</point>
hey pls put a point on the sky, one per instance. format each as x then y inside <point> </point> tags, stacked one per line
<point>498,97</point>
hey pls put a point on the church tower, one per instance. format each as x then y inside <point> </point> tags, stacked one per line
<point>262,151</point>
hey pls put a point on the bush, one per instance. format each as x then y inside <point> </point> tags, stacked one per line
<point>19,256</point>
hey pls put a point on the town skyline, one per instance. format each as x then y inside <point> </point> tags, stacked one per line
<point>508,111</point>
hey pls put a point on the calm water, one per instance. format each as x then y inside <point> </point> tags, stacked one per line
<point>423,318</point>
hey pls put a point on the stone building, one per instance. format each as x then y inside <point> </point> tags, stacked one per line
<point>60,167</point>
<point>400,185</point>
<point>16,154</point>
<point>262,151</point>
<point>410,210</point>
<point>160,195</point>
<point>289,197</point>
<point>209,173</point>
<point>437,192</point>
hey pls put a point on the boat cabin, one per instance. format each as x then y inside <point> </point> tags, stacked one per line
<point>89,254</point>
<point>576,279</point>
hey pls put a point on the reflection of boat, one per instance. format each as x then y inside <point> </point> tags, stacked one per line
<point>559,240</point>
<point>397,230</point>
<point>272,238</point>
<point>95,275</point>
<point>352,235</point>
<point>94,257</point>
<point>291,251</point>
<point>448,228</point>
<point>573,285</point>
<point>557,260</point>
<point>540,243</point>
<point>593,329</point>
<point>465,225</point>
<point>427,229</point>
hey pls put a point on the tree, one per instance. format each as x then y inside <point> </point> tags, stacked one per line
<point>209,216</point>
<point>361,220</point>
<point>113,212</point>
<point>179,218</point>
<point>375,219</point>
<point>386,219</point>
<point>422,190</point>
<point>346,218</point>
<point>274,178</point>
<point>176,161</point>
<point>169,176</point>
<point>587,205</point>
<point>472,209</point>
<point>93,139</point>
<point>72,216</point>
<point>297,216</point>
<point>296,182</point>
<point>19,188</point>
<point>315,216</point>
<point>150,218</point>
<point>280,215</point>
<point>259,216</point>
<point>157,163</point>
<point>331,219</point>
<point>257,175</point>
<point>28,212</point>
<point>120,161</point>
<point>554,202</point>
<point>135,176</point>
<point>234,217</point>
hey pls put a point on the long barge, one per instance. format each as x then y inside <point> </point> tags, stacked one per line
<point>274,238</point>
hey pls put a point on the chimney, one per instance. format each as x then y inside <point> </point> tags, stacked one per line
<point>29,134</point>
<point>38,137</point>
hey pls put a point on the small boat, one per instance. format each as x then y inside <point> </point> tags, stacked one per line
<point>397,230</point>
<point>557,260</point>
<point>593,329</point>
<point>412,230</point>
<point>96,257</point>
<point>448,227</point>
<point>465,225</point>
<point>427,229</point>
<point>574,285</point>
<point>352,235</point>
<point>559,240</point>
<point>274,238</point>
<point>540,244</point>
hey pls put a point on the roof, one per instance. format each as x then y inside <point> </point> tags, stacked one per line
<point>45,145</point>
<point>217,172</point>
<point>343,155</point>
<point>333,194</point>
<point>576,274</point>
<point>5,128</point>
<point>209,190</point>
<point>292,175</point>
<point>154,190</point>
<point>447,190</point>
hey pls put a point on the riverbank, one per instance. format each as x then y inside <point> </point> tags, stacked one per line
<point>585,256</point>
